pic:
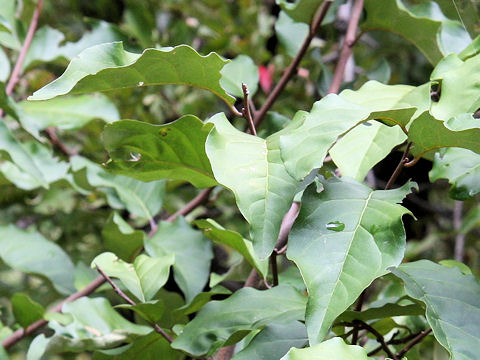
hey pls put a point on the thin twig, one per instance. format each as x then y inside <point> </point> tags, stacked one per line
<point>412,343</point>
<point>246,110</point>
<point>457,225</point>
<point>198,200</point>
<point>399,167</point>
<point>54,140</point>
<point>125,297</point>
<point>290,70</point>
<point>358,307</point>
<point>378,336</point>
<point>350,40</point>
<point>21,333</point>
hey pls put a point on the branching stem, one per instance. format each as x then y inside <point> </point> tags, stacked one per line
<point>246,110</point>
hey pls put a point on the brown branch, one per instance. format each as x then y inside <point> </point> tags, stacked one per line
<point>198,200</point>
<point>412,343</point>
<point>21,333</point>
<point>378,336</point>
<point>348,43</point>
<point>399,167</point>
<point>246,110</point>
<point>290,70</point>
<point>55,141</point>
<point>125,297</point>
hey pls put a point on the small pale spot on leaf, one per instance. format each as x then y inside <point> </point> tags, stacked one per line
<point>335,226</point>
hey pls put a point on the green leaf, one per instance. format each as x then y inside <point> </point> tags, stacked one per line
<point>143,278</point>
<point>300,10</point>
<point>424,25</point>
<point>240,70</point>
<point>274,341</point>
<point>253,170</point>
<point>4,25</point>
<point>49,44</point>
<point>95,325</point>
<point>152,311</point>
<point>25,310</point>
<point>462,169</point>
<point>139,198</point>
<point>4,67</point>
<point>6,103</point>
<point>33,165</point>
<point>31,253</point>
<point>385,311</point>
<point>67,113</point>
<point>148,347</point>
<point>333,349</point>
<point>290,34</point>
<point>363,147</point>
<point>151,152</point>
<point>120,238</point>
<point>456,264</point>
<point>108,67</point>
<point>219,234</point>
<point>338,265</point>
<point>453,304</point>
<point>193,254</point>
<point>201,299</point>
<point>221,323</point>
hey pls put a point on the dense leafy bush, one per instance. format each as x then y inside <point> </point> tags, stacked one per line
<point>278,188</point>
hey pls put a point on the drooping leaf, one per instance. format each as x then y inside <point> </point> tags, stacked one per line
<point>65,113</point>
<point>423,25</point>
<point>274,341</point>
<point>253,170</point>
<point>290,33</point>
<point>151,152</point>
<point>108,67</point>
<point>152,311</point>
<point>385,311</point>
<point>240,70</point>
<point>139,198</point>
<point>25,310</point>
<point>333,349</point>
<point>193,254</point>
<point>33,164</point>
<point>120,238</point>
<point>337,265</point>
<point>217,233</point>
<point>363,147</point>
<point>48,43</point>
<point>453,304</point>
<point>143,278</point>
<point>201,299</point>
<point>462,169</point>
<point>96,325</point>
<point>148,347</point>
<point>30,252</point>
<point>225,322</point>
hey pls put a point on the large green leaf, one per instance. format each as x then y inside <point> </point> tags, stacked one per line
<point>193,254</point>
<point>344,238</point>
<point>462,169</point>
<point>252,169</point>
<point>120,238</point>
<point>25,310</point>
<point>95,325</point>
<point>225,322</point>
<point>139,198</point>
<point>143,278</point>
<point>150,152</point>
<point>333,349</point>
<point>108,67</point>
<point>30,252</point>
<point>48,44</point>
<point>217,233</point>
<point>290,33</point>
<point>274,341</point>
<point>453,304</point>
<point>65,113</point>
<point>423,25</point>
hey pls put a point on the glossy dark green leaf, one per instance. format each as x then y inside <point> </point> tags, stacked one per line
<point>151,152</point>
<point>333,349</point>
<point>338,265</point>
<point>139,198</point>
<point>217,233</point>
<point>31,253</point>
<point>453,304</point>
<point>143,278</point>
<point>193,254</point>
<point>108,67</point>
<point>120,238</point>
<point>274,341</point>
<point>225,322</point>
<point>25,310</point>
